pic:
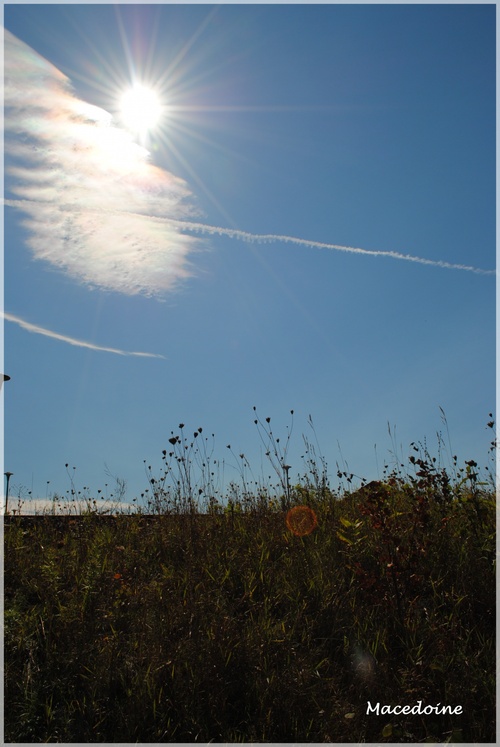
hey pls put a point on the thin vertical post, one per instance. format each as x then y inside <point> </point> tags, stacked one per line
<point>8,475</point>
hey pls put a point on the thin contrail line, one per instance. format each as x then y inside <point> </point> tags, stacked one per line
<point>269,237</point>
<point>234,233</point>
<point>71,340</point>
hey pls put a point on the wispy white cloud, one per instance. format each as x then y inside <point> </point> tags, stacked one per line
<point>46,506</point>
<point>71,340</point>
<point>233,233</point>
<point>61,151</point>
<point>94,204</point>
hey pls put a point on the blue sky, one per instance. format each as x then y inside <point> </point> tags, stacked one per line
<point>365,126</point>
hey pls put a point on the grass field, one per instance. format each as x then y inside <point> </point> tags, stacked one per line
<point>223,625</point>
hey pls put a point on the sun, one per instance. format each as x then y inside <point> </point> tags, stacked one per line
<point>140,109</point>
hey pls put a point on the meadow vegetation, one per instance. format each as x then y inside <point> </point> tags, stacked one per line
<point>205,618</point>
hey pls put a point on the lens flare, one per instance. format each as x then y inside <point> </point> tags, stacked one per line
<point>301,520</point>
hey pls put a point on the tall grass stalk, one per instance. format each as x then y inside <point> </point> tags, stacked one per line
<point>208,620</point>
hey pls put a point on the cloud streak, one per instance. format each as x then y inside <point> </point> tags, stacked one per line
<point>46,506</point>
<point>72,340</point>
<point>93,204</point>
<point>62,151</point>
<point>266,238</point>
<point>252,238</point>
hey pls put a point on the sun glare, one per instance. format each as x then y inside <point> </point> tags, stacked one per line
<point>301,520</point>
<point>140,109</point>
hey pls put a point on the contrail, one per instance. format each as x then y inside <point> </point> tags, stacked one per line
<point>93,203</point>
<point>269,237</point>
<point>246,236</point>
<point>71,340</point>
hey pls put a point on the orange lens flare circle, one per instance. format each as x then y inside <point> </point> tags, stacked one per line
<point>301,520</point>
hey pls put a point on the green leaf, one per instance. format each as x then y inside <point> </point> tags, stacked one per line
<point>344,538</point>
<point>387,730</point>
